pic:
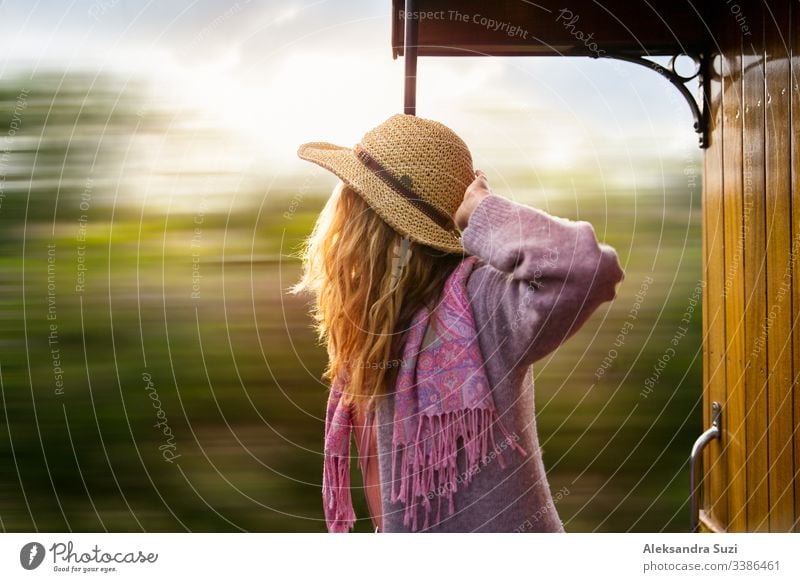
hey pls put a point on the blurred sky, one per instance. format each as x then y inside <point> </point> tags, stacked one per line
<point>282,73</point>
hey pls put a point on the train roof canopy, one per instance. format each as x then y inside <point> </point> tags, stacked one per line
<point>548,28</point>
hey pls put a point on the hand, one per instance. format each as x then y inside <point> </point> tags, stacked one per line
<point>477,191</point>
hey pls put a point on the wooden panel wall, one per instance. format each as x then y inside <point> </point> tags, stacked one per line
<point>733,291</point>
<point>751,249</point>
<point>779,274</point>
<point>754,221</point>
<point>714,372</point>
<point>795,131</point>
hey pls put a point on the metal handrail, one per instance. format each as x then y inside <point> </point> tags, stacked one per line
<point>714,432</point>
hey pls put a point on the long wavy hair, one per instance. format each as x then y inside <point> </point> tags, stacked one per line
<point>363,305</point>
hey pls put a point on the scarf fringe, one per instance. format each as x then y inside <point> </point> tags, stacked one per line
<point>339,513</point>
<point>438,477</point>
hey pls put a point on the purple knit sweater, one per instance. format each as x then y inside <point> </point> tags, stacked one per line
<point>539,279</point>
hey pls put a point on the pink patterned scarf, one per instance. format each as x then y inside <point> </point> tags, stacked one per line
<point>441,394</point>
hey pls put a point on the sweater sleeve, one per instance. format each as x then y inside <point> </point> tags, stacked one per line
<point>542,277</point>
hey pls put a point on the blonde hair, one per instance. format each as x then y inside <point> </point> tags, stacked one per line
<point>364,303</point>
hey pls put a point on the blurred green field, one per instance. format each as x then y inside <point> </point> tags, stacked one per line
<point>181,298</point>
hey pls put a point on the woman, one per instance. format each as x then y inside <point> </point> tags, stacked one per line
<point>433,297</point>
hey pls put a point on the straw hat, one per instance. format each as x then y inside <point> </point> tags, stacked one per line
<point>412,171</point>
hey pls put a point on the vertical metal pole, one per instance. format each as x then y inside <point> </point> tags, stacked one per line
<point>410,59</point>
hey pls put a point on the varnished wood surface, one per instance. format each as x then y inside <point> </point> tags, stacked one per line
<point>715,490</point>
<point>734,428</point>
<point>779,275</point>
<point>751,181</point>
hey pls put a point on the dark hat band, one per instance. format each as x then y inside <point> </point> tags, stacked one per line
<point>442,219</point>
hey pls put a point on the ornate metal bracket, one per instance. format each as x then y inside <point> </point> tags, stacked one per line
<point>699,107</point>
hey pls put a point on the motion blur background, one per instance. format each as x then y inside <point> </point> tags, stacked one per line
<point>154,374</point>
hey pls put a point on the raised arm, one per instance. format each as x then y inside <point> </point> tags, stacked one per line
<point>543,276</point>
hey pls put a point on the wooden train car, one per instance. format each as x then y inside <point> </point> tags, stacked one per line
<point>747,117</point>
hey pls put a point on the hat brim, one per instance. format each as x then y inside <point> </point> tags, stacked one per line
<point>400,214</point>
